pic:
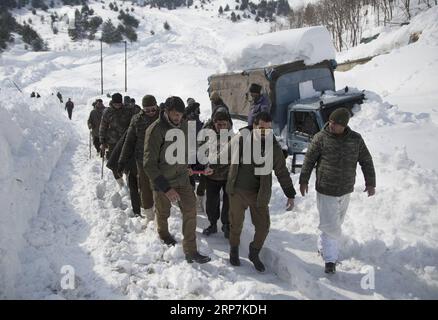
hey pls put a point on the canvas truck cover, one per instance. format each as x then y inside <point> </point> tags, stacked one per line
<point>280,83</point>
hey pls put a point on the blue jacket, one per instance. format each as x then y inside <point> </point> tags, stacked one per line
<point>261,105</point>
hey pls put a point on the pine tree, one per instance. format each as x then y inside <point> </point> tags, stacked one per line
<point>130,33</point>
<point>39,4</point>
<point>244,5</point>
<point>233,17</point>
<point>227,8</point>
<point>78,32</point>
<point>8,4</point>
<point>166,26</point>
<point>221,10</point>
<point>30,36</point>
<point>109,33</point>
<point>7,26</point>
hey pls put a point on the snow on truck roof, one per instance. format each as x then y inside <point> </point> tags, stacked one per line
<point>311,45</point>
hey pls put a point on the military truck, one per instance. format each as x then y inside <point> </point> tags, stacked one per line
<point>302,98</point>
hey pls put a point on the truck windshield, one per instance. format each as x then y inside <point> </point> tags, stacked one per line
<point>287,90</point>
<point>303,122</point>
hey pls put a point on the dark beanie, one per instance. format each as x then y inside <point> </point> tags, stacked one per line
<point>255,88</point>
<point>192,108</point>
<point>116,98</point>
<point>221,113</point>
<point>149,101</point>
<point>190,101</point>
<point>340,116</point>
<point>175,103</point>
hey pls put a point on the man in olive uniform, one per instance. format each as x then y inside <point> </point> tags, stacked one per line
<point>246,187</point>
<point>192,113</point>
<point>335,150</point>
<point>94,122</point>
<point>134,147</point>
<point>222,125</point>
<point>171,180</point>
<point>216,101</point>
<point>115,121</point>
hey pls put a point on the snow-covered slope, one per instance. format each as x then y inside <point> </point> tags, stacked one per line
<point>73,218</point>
<point>33,135</point>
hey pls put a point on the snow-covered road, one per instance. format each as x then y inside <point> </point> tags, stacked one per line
<point>114,256</point>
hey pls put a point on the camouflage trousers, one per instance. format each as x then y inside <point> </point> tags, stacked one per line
<point>187,205</point>
<point>240,200</point>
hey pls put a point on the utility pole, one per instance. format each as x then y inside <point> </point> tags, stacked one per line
<point>126,70</point>
<point>101,68</point>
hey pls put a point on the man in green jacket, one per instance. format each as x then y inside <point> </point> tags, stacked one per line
<point>335,150</point>
<point>171,180</point>
<point>246,187</point>
<point>133,147</point>
<point>94,122</point>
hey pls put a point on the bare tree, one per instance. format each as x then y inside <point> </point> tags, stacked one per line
<point>406,4</point>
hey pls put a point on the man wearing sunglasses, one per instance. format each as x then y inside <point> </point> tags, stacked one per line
<point>171,180</point>
<point>133,147</point>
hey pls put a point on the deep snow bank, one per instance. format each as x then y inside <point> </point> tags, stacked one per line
<point>312,45</point>
<point>33,134</point>
<point>424,24</point>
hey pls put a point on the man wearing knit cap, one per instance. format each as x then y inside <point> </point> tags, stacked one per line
<point>260,103</point>
<point>335,150</point>
<point>171,180</point>
<point>115,121</point>
<point>216,101</point>
<point>133,147</point>
<point>192,113</point>
<point>94,122</point>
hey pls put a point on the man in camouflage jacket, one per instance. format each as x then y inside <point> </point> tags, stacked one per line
<point>115,121</point>
<point>335,150</point>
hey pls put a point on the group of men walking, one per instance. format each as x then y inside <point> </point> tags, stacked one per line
<point>135,141</point>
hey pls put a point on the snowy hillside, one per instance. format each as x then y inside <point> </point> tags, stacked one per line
<point>57,212</point>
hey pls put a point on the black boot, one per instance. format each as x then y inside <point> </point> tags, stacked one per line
<point>170,241</point>
<point>254,258</point>
<point>330,267</point>
<point>226,230</point>
<point>197,257</point>
<point>210,230</point>
<point>234,256</point>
